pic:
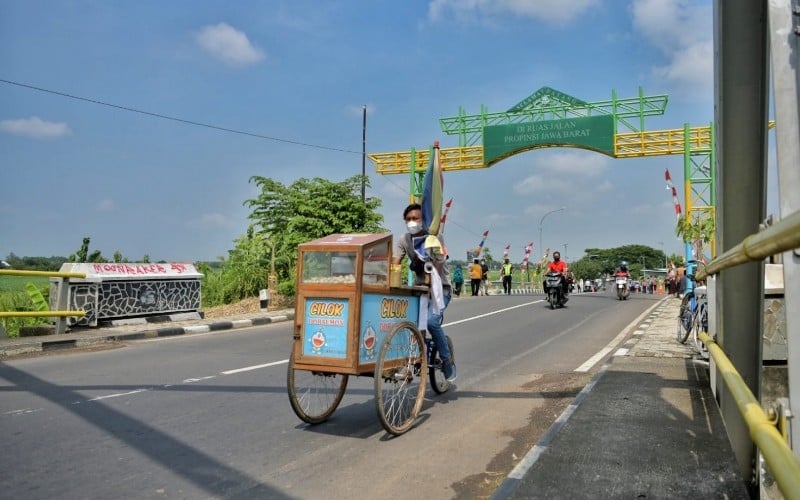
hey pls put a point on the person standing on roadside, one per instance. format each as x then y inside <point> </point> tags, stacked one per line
<point>505,273</point>
<point>458,280</point>
<point>484,277</point>
<point>475,273</point>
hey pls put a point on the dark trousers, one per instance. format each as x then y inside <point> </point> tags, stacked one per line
<point>507,284</point>
<point>476,285</point>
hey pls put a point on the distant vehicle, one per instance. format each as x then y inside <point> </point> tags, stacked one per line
<point>4,265</point>
<point>588,286</point>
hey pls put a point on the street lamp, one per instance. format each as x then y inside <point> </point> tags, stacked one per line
<point>542,220</point>
<point>665,255</point>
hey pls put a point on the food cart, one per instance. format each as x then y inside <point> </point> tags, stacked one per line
<point>353,317</point>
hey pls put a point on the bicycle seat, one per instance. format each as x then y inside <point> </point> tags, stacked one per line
<point>700,291</point>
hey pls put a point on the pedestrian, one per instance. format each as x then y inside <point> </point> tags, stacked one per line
<point>505,273</point>
<point>475,273</point>
<point>484,277</point>
<point>458,280</point>
<point>405,246</point>
<point>680,280</point>
<point>671,275</point>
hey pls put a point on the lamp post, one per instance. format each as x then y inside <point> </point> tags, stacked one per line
<point>542,220</point>
<point>665,255</point>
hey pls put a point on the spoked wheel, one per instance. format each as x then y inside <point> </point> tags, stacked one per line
<point>314,395</point>
<point>400,373</point>
<point>685,319</point>
<point>438,381</point>
<point>700,325</point>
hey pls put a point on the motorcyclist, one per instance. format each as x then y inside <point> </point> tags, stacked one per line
<point>623,270</point>
<point>559,266</point>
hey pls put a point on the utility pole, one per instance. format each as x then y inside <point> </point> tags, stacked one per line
<point>363,154</point>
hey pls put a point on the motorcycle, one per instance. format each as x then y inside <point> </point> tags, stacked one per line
<point>622,287</point>
<point>554,289</point>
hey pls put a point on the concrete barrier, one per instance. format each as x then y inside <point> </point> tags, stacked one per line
<point>128,290</point>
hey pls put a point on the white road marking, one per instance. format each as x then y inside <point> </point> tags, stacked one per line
<point>254,367</point>
<point>491,313</point>
<point>586,366</point>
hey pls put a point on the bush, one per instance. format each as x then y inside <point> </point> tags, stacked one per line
<point>14,302</point>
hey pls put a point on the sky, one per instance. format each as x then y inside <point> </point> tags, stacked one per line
<point>140,124</point>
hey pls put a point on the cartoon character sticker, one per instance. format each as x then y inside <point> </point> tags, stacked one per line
<point>318,341</point>
<point>369,339</point>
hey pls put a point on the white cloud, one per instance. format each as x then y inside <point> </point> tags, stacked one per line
<point>564,173</point>
<point>683,31</point>
<point>582,163</point>
<point>683,66</point>
<point>229,45</point>
<point>556,12</point>
<point>35,128</point>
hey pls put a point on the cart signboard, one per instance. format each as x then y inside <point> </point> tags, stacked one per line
<point>326,324</point>
<point>379,314</point>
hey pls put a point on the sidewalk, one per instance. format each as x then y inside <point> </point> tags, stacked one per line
<point>647,426</point>
<point>96,337</point>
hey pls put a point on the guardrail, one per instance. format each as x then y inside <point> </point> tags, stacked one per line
<point>784,464</point>
<point>61,315</point>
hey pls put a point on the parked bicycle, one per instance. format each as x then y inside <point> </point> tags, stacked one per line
<point>693,312</point>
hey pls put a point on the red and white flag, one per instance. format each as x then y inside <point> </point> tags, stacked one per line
<point>671,187</point>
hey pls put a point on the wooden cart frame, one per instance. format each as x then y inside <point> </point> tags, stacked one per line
<point>350,321</point>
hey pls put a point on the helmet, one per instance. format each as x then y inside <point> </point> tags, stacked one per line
<point>623,265</point>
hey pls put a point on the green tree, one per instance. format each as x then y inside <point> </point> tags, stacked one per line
<point>698,232</point>
<point>83,255</point>
<point>283,217</point>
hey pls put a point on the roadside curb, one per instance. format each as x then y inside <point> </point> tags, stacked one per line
<point>32,345</point>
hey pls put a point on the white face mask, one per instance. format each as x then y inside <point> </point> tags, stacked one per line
<point>414,227</point>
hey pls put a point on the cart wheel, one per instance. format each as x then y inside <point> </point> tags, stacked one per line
<point>314,395</point>
<point>438,382</point>
<point>400,374</point>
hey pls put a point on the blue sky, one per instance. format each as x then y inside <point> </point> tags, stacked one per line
<point>301,71</point>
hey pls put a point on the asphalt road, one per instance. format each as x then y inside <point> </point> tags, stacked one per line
<point>207,416</point>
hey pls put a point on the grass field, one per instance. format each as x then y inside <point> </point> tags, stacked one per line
<point>17,283</point>
<point>13,297</point>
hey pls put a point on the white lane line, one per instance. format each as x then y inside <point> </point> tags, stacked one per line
<point>492,313</point>
<point>585,367</point>
<point>99,398</point>
<point>23,412</point>
<point>255,367</point>
<point>199,379</point>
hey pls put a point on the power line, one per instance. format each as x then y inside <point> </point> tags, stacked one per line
<point>181,120</point>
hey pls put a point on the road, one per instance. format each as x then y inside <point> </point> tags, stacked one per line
<point>207,416</point>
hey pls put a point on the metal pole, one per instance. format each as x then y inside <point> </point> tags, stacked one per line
<point>786,89</point>
<point>741,90</point>
<point>364,154</point>
<point>540,225</point>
